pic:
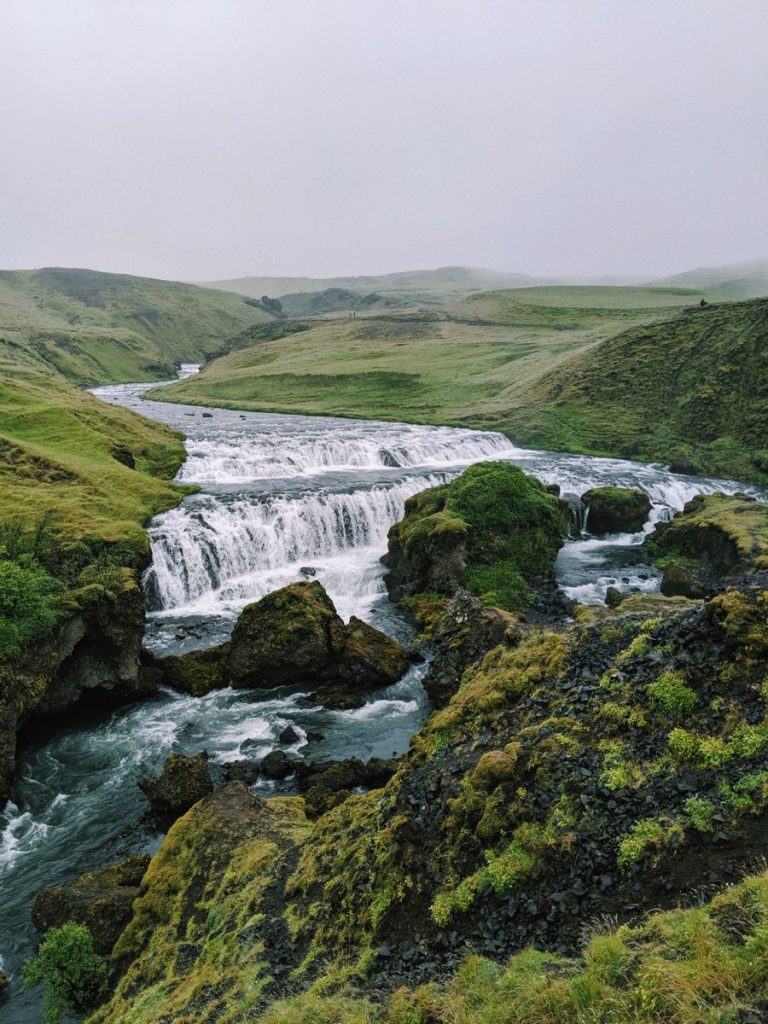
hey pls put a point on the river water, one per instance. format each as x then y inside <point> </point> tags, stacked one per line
<point>281,498</point>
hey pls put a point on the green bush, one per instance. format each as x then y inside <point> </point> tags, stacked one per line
<point>670,695</point>
<point>72,974</point>
<point>30,605</point>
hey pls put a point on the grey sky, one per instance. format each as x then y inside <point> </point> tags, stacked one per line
<point>204,139</point>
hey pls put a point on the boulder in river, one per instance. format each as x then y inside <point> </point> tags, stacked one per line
<point>182,782</point>
<point>714,537</point>
<point>616,509</point>
<point>493,530</point>
<point>292,635</point>
<point>196,672</point>
<point>100,900</point>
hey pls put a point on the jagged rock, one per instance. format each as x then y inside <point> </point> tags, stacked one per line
<point>289,736</point>
<point>328,783</point>
<point>613,597</point>
<point>293,633</point>
<point>616,509</point>
<point>465,631</point>
<point>277,765</point>
<point>182,782</point>
<point>92,657</point>
<point>492,530</point>
<point>101,900</point>
<point>368,658</point>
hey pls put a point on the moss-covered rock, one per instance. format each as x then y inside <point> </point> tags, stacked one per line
<point>207,937</point>
<point>291,635</point>
<point>603,769</point>
<point>616,509</point>
<point>182,782</point>
<point>196,672</point>
<point>715,536</point>
<point>493,530</point>
<point>101,900</point>
<point>462,634</point>
<point>91,656</point>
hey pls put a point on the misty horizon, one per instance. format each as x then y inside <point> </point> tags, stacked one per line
<point>198,142</point>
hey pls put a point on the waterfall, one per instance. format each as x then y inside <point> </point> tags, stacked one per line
<point>220,458</point>
<point>232,546</point>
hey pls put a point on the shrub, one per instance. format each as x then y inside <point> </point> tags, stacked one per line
<point>30,605</point>
<point>646,836</point>
<point>670,694</point>
<point>72,974</point>
<point>700,812</point>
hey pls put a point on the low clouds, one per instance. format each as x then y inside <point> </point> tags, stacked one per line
<point>202,139</point>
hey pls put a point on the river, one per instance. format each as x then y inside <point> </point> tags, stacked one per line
<point>281,498</point>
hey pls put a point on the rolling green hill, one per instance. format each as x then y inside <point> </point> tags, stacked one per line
<point>471,363</point>
<point>693,390</point>
<point>97,328</point>
<point>59,446</point>
<point>638,372</point>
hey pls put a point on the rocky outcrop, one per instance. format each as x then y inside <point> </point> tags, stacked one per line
<point>493,530</point>
<point>293,635</point>
<point>93,656</point>
<point>714,537</point>
<point>616,509</point>
<point>220,871</point>
<point>101,900</point>
<point>461,635</point>
<point>182,782</point>
<point>328,784</point>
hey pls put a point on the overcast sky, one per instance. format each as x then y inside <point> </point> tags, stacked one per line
<point>203,139</point>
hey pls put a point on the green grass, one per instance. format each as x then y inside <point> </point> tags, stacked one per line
<point>98,328</point>
<point>691,391</point>
<point>472,363</point>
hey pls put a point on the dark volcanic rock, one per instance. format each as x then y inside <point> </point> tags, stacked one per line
<point>93,657</point>
<point>293,633</point>
<point>277,765</point>
<point>289,736</point>
<point>328,783</point>
<point>101,900</point>
<point>182,782</point>
<point>463,634</point>
<point>616,509</point>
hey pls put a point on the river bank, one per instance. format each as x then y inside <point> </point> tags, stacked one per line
<point>282,498</point>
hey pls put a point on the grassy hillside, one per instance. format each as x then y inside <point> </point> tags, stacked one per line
<point>693,390</point>
<point>101,472</point>
<point>471,363</point>
<point>97,328</point>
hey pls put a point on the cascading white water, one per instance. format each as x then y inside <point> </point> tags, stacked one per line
<point>223,548</point>
<point>222,459</point>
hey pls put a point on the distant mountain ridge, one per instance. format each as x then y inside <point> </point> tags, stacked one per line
<point>748,280</point>
<point>442,283</point>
